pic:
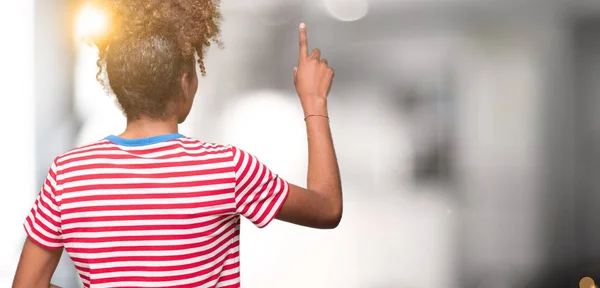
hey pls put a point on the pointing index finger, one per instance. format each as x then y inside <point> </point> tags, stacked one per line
<point>303,41</point>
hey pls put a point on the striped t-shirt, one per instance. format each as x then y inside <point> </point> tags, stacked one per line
<point>154,212</point>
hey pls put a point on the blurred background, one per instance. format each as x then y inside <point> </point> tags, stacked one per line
<point>468,133</point>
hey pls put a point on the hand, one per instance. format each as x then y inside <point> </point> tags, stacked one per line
<point>312,77</point>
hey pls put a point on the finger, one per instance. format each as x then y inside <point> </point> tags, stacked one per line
<point>329,76</point>
<point>295,73</point>
<point>303,41</point>
<point>316,54</point>
<point>324,61</point>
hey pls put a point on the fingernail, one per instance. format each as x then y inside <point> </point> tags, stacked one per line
<point>302,25</point>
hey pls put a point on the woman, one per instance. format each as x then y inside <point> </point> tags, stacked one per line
<point>151,207</point>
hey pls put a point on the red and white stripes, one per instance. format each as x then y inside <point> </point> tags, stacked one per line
<point>155,215</point>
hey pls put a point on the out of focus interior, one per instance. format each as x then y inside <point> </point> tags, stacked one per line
<point>468,133</point>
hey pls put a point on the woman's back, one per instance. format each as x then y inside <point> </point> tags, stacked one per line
<point>152,208</point>
<point>160,211</point>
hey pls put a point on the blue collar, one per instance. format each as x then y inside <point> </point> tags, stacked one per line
<point>143,141</point>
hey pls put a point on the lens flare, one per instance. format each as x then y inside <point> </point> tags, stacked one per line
<point>91,22</point>
<point>347,10</point>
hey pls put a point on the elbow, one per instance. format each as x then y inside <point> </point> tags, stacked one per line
<point>334,218</point>
<point>335,221</point>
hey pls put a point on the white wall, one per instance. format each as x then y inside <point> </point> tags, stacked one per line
<point>36,122</point>
<point>17,123</point>
<point>55,123</point>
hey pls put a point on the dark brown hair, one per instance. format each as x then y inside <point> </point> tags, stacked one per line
<point>149,46</point>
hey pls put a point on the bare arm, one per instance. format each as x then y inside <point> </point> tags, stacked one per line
<point>319,206</point>
<point>36,266</point>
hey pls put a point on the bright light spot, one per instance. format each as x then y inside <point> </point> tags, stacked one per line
<point>91,22</point>
<point>347,10</point>
<point>269,125</point>
<point>587,282</point>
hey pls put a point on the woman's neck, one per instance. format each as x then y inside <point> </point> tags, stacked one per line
<point>147,127</point>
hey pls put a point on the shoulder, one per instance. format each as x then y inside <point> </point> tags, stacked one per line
<point>82,151</point>
<point>204,146</point>
<point>230,151</point>
<point>208,145</point>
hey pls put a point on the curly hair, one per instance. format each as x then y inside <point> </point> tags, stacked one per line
<point>149,46</point>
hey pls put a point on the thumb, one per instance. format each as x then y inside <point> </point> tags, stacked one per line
<point>295,73</point>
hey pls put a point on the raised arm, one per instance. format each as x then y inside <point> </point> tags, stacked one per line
<point>320,205</point>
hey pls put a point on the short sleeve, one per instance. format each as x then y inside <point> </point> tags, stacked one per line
<point>43,222</point>
<point>259,193</point>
